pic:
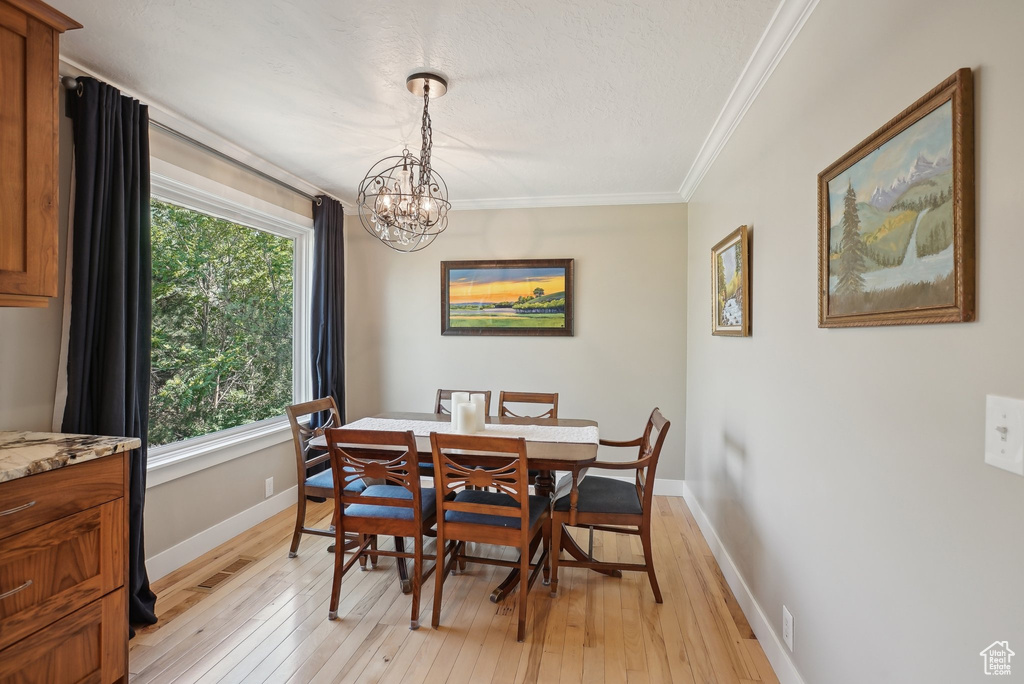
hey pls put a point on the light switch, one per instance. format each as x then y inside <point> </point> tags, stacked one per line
<point>1004,433</point>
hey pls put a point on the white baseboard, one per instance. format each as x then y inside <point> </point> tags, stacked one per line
<point>178,555</point>
<point>773,647</point>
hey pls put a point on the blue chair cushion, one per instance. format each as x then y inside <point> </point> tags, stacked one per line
<point>538,504</point>
<point>325,479</point>
<point>428,499</point>
<point>427,469</point>
<point>604,495</point>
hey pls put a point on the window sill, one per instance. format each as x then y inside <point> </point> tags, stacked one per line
<point>171,461</point>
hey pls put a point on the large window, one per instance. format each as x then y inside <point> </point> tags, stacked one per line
<point>222,324</point>
<point>231,297</point>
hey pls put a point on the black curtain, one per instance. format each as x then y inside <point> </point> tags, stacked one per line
<point>111,303</point>
<point>328,316</point>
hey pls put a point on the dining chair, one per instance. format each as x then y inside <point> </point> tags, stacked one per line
<point>548,399</point>
<point>446,395</point>
<point>613,505</point>
<point>508,516</point>
<point>318,484</point>
<point>397,508</point>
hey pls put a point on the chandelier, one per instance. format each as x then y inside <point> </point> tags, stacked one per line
<point>402,201</point>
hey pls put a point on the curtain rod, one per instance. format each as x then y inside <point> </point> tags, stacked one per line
<point>71,83</point>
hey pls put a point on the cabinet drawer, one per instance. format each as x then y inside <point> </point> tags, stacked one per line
<point>57,568</point>
<point>88,646</point>
<point>41,498</point>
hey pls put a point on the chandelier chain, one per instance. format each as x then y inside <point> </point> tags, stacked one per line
<point>427,137</point>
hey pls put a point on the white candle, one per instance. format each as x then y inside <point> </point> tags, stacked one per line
<point>458,398</point>
<point>480,410</point>
<point>466,421</point>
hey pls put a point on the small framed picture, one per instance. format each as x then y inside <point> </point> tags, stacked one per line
<point>730,285</point>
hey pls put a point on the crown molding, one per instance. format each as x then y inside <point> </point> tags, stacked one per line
<point>554,201</point>
<point>786,23</point>
<point>567,201</point>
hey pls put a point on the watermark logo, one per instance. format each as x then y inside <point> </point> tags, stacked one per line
<point>997,658</point>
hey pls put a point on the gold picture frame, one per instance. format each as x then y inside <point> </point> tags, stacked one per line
<point>896,233</point>
<point>730,285</point>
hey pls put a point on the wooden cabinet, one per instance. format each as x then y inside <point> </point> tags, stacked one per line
<point>63,574</point>
<point>29,34</point>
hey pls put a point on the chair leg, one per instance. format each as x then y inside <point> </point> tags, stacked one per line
<point>524,590</point>
<point>556,547</point>
<point>417,580</point>
<point>300,522</point>
<point>546,579</point>
<point>462,561</point>
<point>373,556</point>
<point>403,571</point>
<point>645,539</point>
<point>440,572</point>
<point>339,565</point>
<point>362,559</point>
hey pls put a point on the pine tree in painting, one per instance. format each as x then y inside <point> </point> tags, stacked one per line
<point>850,267</point>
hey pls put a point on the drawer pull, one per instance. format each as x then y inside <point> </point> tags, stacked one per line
<point>14,591</point>
<point>17,509</point>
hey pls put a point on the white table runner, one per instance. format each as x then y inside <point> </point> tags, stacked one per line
<point>532,433</point>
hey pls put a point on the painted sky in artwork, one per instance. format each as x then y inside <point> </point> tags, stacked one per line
<point>502,284</point>
<point>930,138</point>
<point>728,256</point>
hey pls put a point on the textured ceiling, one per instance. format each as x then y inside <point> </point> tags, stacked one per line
<point>566,98</point>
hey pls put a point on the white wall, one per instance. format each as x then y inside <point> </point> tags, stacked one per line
<point>628,353</point>
<point>843,469</point>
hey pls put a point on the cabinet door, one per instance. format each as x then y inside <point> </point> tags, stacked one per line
<point>88,646</point>
<point>28,159</point>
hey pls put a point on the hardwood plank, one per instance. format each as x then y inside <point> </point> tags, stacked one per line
<point>711,604</point>
<point>269,621</point>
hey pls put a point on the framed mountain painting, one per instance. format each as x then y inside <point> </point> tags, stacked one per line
<point>896,218</point>
<point>509,297</point>
<point>730,285</point>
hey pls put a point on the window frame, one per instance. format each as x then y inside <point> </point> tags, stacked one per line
<point>171,461</point>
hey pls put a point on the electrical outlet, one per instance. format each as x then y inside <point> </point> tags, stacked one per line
<point>787,627</point>
<point>270,488</point>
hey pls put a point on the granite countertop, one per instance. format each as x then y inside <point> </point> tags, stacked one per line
<point>27,453</point>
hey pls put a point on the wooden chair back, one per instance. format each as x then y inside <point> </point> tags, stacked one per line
<point>462,461</point>
<point>302,433</point>
<point>446,395</point>
<point>548,399</point>
<point>387,457</point>
<point>647,460</point>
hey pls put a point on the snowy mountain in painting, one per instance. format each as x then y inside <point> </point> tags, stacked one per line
<point>922,169</point>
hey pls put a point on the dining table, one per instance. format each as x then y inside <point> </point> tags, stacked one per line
<point>550,448</point>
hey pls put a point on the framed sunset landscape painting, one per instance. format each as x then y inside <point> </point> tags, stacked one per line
<point>896,218</point>
<point>508,297</point>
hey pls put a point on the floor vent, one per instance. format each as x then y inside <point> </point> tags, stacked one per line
<point>218,578</point>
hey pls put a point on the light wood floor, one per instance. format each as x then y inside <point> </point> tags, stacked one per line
<point>268,622</point>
